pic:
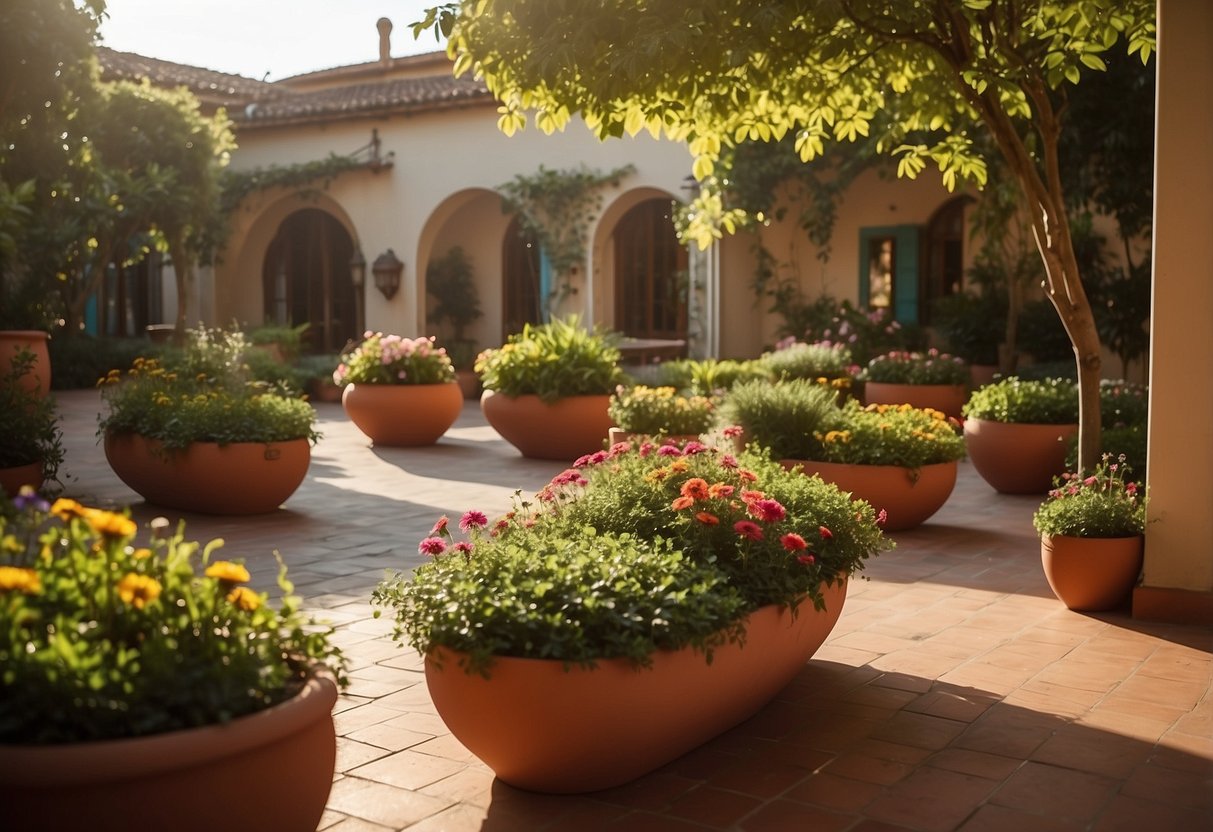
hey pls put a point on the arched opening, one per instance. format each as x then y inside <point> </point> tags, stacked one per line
<point>943,260</point>
<point>650,273</point>
<point>522,301</point>
<point>306,279</point>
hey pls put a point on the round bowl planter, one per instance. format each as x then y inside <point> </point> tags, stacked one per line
<point>548,728</point>
<point>564,430</point>
<point>269,770</point>
<point>617,435</point>
<point>909,495</point>
<point>946,398</point>
<point>1091,573</point>
<point>1017,458</point>
<point>209,478</point>
<point>11,479</point>
<point>403,415</point>
<point>469,383</point>
<point>12,341</point>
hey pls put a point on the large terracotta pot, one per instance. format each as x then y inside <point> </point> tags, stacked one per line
<point>548,728</point>
<point>908,495</point>
<point>11,479</point>
<point>209,478</point>
<point>1017,458</point>
<point>617,435</point>
<point>946,398</point>
<point>268,770</point>
<point>12,341</point>
<point>565,429</point>
<point>403,415</point>
<point>1091,573</point>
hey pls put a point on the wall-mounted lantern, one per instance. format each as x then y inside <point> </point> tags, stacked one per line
<point>387,270</point>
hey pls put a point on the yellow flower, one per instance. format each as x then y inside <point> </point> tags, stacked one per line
<point>138,590</point>
<point>66,509</point>
<point>140,554</point>
<point>244,598</point>
<point>22,580</point>
<point>225,570</point>
<point>109,524</point>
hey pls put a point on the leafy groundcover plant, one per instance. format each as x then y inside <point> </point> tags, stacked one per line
<point>710,376</point>
<point>634,549</point>
<point>29,426</point>
<point>203,394</point>
<point>810,361</point>
<point>107,633</point>
<point>552,361</point>
<point>1107,503</point>
<point>392,359</point>
<point>1051,401</point>
<point>930,367</point>
<point>660,410</point>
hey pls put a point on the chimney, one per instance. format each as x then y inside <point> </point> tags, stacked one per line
<point>385,39</point>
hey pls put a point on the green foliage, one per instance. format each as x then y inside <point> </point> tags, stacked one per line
<point>1107,503</point>
<point>29,425</point>
<point>660,410</point>
<point>808,361</point>
<point>391,359</point>
<point>106,632</point>
<point>971,324</point>
<point>1042,335</point>
<point>237,185</point>
<point>1052,401</point>
<point>782,417</point>
<point>77,361</point>
<point>930,367</point>
<point>709,376</point>
<point>552,361</point>
<point>866,333</point>
<point>1126,418</point>
<point>450,282</point>
<point>205,393</point>
<point>288,339</point>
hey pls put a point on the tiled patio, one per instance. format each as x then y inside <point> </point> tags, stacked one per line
<point>955,693</point>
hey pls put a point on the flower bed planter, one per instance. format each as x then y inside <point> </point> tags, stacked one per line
<point>909,495</point>
<point>12,341</point>
<point>1017,458</point>
<point>564,430</point>
<point>946,398</point>
<point>269,770</point>
<point>403,415</point>
<point>11,479</point>
<point>1091,573</point>
<point>548,728</point>
<point>238,478</point>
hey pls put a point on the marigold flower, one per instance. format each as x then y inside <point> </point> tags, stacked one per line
<point>228,572</point>
<point>682,502</point>
<point>432,546</point>
<point>473,520</point>
<point>793,542</point>
<point>244,598</point>
<point>707,518</point>
<point>138,590</point>
<point>696,488</point>
<point>748,529</point>
<point>66,509</point>
<point>19,579</point>
<point>140,554</point>
<point>109,524</point>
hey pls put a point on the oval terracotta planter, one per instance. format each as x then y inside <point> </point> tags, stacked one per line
<point>543,727</point>
<point>617,435</point>
<point>1091,573</point>
<point>268,770</point>
<point>946,398</point>
<point>12,341</point>
<point>1017,458</point>
<point>209,478</point>
<point>565,429</point>
<point>11,479</point>
<point>403,415</point>
<point>909,495</point>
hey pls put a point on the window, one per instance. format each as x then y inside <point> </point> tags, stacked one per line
<point>888,270</point>
<point>650,273</point>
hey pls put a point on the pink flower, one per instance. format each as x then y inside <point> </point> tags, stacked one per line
<point>732,431</point>
<point>432,546</point>
<point>793,542</point>
<point>882,517</point>
<point>473,520</point>
<point>748,530</point>
<point>1089,481</point>
<point>807,560</point>
<point>767,510</point>
<point>1131,489</point>
<point>728,461</point>
<point>440,527</point>
<point>462,547</point>
<point>646,448</point>
<point>669,450</point>
<point>691,448</point>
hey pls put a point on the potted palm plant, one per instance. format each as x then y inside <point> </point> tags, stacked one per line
<point>1091,534</point>
<point>645,600</point>
<point>399,391</point>
<point>140,671</point>
<point>547,389</point>
<point>31,448</point>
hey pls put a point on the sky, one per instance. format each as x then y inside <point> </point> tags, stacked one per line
<point>263,39</point>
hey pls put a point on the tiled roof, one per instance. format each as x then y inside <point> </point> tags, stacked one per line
<point>253,104</point>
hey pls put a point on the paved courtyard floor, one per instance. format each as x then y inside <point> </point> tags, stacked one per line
<point>955,693</point>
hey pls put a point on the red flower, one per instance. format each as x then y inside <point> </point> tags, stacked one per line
<point>695,488</point>
<point>793,542</point>
<point>682,502</point>
<point>731,431</point>
<point>768,510</point>
<point>707,519</point>
<point>748,497</point>
<point>728,461</point>
<point>748,530</point>
<point>806,559</point>
<point>440,526</point>
<point>826,534</point>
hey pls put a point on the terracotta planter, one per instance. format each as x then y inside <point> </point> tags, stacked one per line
<point>1018,458</point>
<point>1091,573</point>
<point>909,495</point>
<point>323,390</point>
<point>615,435</point>
<point>982,374</point>
<point>563,430</point>
<point>11,479</point>
<point>946,398</point>
<point>469,383</point>
<point>403,415</point>
<point>543,727</point>
<point>268,770</point>
<point>12,341</point>
<point>239,478</point>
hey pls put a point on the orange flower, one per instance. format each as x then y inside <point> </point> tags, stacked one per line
<point>682,502</point>
<point>720,489</point>
<point>138,590</point>
<point>109,524</point>
<point>746,476</point>
<point>66,509</point>
<point>695,488</point>
<point>22,580</point>
<point>225,570</point>
<point>244,598</point>
<point>707,518</point>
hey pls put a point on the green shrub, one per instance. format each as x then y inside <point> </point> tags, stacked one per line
<point>552,361</point>
<point>1045,402</point>
<point>78,361</point>
<point>660,410</point>
<point>808,361</point>
<point>709,376</point>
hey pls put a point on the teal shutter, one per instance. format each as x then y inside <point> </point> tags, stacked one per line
<point>905,268</point>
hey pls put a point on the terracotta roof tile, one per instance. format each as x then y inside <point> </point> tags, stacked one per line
<point>202,82</point>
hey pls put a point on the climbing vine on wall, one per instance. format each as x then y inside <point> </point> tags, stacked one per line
<point>239,184</point>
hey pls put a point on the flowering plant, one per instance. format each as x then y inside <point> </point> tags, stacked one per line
<point>791,359</point>
<point>659,410</point>
<point>391,359</point>
<point>1052,401</point>
<point>204,394</point>
<point>552,361</point>
<point>865,332</point>
<point>108,632</point>
<point>633,549</point>
<point>1107,503</point>
<point>930,367</point>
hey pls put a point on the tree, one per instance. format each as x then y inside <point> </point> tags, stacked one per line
<point>921,79</point>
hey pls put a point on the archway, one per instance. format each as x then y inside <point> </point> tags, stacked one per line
<point>522,296</point>
<point>306,279</point>
<point>943,260</point>
<point>650,273</point>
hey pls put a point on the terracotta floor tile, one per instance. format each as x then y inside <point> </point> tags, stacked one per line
<point>1056,792</point>
<point>1193,790</point>
<point>712,806</point>
<point>407,770</point>
<point>351,754</point>
<point>930,799</point>
<point>389,738</point>
<point>462,817</point>
<point>472,785</point>
<point>383,804</point>
<point>976,763</point>
<point>783,815</point>
<point>991,818</point>
<point>650,822</point>
<point>1184,695</point>
<point>868,769</point>
<point>656,791</point>
<point>358,825</point>
<point>758,777</point>
<point>842,794</point>
<point>1098,752</point>
<point>953,704</point>
<point>1185,752</point>
<point>919,730</point>
<point>1132,814</point>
